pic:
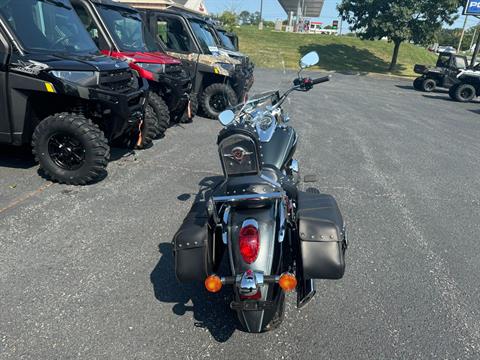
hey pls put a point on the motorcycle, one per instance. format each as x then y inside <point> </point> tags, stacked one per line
<point>278,238</point>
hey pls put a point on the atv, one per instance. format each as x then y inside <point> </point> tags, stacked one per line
<point>220,80</point>
<point>119,32</point>
<point>60,94</point>
<point>468,86</point>
<point>444,74</point>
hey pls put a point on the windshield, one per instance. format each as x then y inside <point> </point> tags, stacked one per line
<point>127,29</point>
<point>226,41</point>
<point>205,36</point>
<point>47,26</point>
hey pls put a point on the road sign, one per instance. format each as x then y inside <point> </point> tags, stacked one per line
<point>472,8</point>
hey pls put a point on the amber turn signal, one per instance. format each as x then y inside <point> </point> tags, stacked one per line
<point>213,283</point>
<point>288,282</point>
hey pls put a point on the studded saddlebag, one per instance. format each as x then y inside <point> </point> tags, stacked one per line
<point>322,236</point>
<point>192,244</point>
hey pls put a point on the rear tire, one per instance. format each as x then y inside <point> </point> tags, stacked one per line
<point>465,93</point>
<point>71,149</point>
<point>428,85</point>
<point>417,83</point>
<point>216,98</point>
<point>158,107</point>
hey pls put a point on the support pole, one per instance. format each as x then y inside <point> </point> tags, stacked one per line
<point>260,24</point>
<point>463,34</point>
<point>475,53</point>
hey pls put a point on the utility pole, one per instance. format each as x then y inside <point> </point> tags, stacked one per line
<point>473,38</point>
<point>260,24</point>
<point>463,34</point>
<point>476,51</point>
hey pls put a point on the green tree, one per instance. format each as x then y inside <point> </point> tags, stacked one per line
<point>228,19</point>
<point>244,17</point>
<point>399,20</point>
<point>255,18</point>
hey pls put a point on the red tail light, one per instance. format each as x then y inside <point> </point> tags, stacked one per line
<point>249,241</point>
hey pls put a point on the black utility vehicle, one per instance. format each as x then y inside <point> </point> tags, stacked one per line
<point>220,80</point>
<point>119,32</point>
<point>59,93</point>
<point>468,86</point>
<point>444,74</point>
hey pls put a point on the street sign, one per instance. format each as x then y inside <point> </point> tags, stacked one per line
<point>472,8</point>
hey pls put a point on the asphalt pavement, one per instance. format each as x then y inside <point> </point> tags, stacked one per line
<point>87,272</point>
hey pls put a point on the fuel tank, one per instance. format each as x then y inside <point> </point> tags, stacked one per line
<point>280,149</point>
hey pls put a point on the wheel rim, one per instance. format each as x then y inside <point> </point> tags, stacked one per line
<point>466,93</point>
<point>429,85</point>
<point>66,151</point>
<point>218,102</point>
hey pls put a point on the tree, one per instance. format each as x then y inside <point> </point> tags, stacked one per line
<point>244,17</point>
<point>255,18</point>
<point>399,20</point>
<point>228,19</point>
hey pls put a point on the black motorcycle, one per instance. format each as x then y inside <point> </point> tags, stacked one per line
<point>277,237</point>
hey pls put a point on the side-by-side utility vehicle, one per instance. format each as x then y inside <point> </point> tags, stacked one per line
<point>444,74</point>
<point>60,94</point>
<point>118,31</point>
<point>220,80</point>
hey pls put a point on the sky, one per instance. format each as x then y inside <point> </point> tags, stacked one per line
<point>272,10</point>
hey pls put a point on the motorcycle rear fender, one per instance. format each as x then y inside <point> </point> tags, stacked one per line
<point>269,261</point>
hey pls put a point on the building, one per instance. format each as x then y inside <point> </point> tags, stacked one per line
<point>194,5</point>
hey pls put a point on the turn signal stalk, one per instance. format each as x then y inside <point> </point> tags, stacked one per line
<point>288,282</point>
<point>213,283</point>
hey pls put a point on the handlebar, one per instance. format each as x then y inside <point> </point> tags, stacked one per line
<point>321,80</point>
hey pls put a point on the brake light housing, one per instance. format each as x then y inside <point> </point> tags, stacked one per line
<point>249,241</point>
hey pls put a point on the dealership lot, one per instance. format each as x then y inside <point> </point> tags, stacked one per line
<point>87,272</point>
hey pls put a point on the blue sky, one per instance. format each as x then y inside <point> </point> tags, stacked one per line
<point>272,10</point>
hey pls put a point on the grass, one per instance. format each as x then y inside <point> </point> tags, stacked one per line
<point>270,49</point>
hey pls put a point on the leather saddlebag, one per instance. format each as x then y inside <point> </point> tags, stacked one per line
<point>191,246</point>
<point>322,236</point>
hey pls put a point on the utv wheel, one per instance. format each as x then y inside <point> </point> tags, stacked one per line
<point>428,85</point>
<point>417,83</point>
<point>141,138</point>
<point>216,98</point>
<point>158,107</point>
<point>70,149</point>
<point>452,90</point>
<point>184,119</point>
<point>465,93</point>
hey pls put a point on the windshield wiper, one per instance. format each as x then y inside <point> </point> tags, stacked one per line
<point>56,3</point>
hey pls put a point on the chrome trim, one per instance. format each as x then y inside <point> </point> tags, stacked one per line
<point>249,282</point>
<point>283,227</point>
<point>226,218</point>
<point>266,135</point>
<point>248,222</point>
<point>294,166</point>
<point>255,197</point>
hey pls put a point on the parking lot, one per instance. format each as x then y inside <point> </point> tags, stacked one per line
<point>87,272</point>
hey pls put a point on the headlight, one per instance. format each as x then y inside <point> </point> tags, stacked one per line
<point>154,68</point>
<point>226,66</point>
<point>84,78</point>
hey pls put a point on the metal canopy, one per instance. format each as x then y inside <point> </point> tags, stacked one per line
<point>310,8</point>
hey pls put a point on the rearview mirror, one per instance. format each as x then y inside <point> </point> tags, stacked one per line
<point>226,117</point>
<point>309,60</point>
